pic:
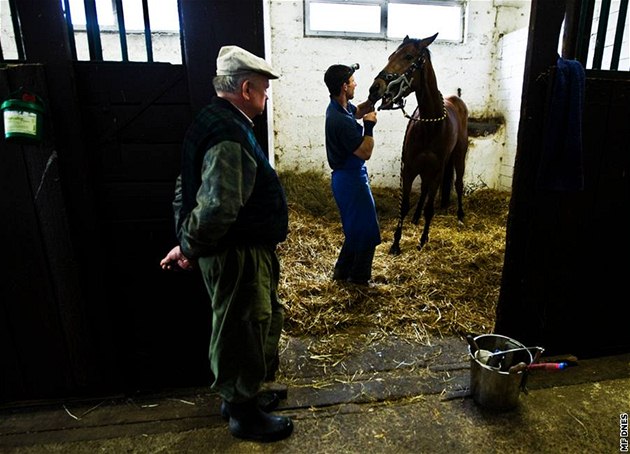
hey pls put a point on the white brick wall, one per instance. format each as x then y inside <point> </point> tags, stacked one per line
<point>624,56</point>
<point>300,97</point>
<point>511,64</point>
<point>485,67</point>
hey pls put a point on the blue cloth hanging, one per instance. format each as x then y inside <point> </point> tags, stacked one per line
<point>561,166</point>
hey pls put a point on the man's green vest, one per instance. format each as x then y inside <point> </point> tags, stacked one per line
<point>264,217</point>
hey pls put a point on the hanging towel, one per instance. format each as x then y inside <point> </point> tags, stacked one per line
<point>560,167</point>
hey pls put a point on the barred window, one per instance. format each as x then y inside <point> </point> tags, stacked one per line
<point>124,30</point>
<point>384,18</point>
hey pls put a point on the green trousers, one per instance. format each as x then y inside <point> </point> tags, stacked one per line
<point>247,318</point>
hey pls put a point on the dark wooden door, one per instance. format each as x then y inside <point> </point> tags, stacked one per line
<point>27,287</point>
<point>135,116</point>
<point>84,306</point>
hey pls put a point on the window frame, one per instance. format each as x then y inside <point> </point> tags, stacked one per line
<point>94,28</point>
<point>384,5</point>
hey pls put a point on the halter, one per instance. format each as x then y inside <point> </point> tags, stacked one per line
<point>400,83</point>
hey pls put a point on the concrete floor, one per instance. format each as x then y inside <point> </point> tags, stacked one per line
<point>391,395</point>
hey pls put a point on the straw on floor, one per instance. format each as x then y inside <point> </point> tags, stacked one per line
<point>450,287</point>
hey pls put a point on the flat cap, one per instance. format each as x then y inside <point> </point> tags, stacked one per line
<point>234,60</point>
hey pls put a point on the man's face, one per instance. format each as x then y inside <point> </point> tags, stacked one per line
<point>258,87</point>
<point>349,87</point>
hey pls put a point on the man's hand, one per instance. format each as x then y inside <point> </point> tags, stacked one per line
<point>370,116</point>
<point>364,108</point>
<point>176,260</point>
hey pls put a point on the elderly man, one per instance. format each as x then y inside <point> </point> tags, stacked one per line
<point>230,213</point>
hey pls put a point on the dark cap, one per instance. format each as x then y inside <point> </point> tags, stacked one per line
<point>337,75</point>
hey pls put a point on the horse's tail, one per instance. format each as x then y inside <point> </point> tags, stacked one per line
<point>447,182</point>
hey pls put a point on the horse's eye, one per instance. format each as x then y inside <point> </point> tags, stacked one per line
<point>409,57</point>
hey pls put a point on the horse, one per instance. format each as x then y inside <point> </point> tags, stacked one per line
<point>436,138</point>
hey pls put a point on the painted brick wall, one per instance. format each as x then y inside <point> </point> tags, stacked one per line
<point>481,67</point>
<point>511,64</point>
<point>300,97</point>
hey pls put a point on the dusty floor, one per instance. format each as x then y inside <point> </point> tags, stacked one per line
<point>391,395</point>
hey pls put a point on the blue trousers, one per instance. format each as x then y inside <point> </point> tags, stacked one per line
<point>353,195</point>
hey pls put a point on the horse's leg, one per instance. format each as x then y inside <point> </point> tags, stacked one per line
<point>395,248</point>
<point>447,182</point>
<point>405,189</point>
<point>459,162</point>
<point>416,215</point>
<point>429,210</point>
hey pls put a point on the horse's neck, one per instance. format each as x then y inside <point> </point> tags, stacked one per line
<point>429,98</point>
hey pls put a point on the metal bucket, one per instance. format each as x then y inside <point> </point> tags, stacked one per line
<point>492,386</point>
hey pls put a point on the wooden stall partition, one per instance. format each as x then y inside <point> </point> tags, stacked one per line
<point>564,271</point>
<point>45,332</point>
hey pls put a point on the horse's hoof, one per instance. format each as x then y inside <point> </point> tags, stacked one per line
<point>394,251</point>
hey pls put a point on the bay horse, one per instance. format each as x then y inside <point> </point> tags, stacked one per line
<point>436,138</point>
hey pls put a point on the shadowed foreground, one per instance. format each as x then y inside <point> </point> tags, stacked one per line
<point>394,396</point>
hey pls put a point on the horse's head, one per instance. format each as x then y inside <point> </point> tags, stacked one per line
<point>401,74</point>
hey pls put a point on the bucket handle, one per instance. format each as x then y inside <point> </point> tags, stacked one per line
<point>538,353</point>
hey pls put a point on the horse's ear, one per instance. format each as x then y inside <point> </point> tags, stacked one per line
<point>426,41</point>
<point>406,39</point>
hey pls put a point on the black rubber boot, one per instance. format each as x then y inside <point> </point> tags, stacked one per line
<point>361,271</point>
<point>339,274</point>
<point>343,264</point>
<point>267,401</point>
<point>249,422</point>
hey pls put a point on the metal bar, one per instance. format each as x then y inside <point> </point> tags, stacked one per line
<point>384,11</point>
<point>122,31</point>
<point>584,31</point>
<point>147,30</point>
<point>600,41</point>
<point>93,31</point>
<point>621,24</point>
<point>70,28</point>
<point>17,30</point>
<point>571,24</point>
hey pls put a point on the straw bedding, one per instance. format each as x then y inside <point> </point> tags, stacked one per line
<point>449,288</point>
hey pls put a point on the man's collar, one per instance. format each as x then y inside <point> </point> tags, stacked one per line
<point>339,105</point>
<point>249,120</point>
<point>243,113</point>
